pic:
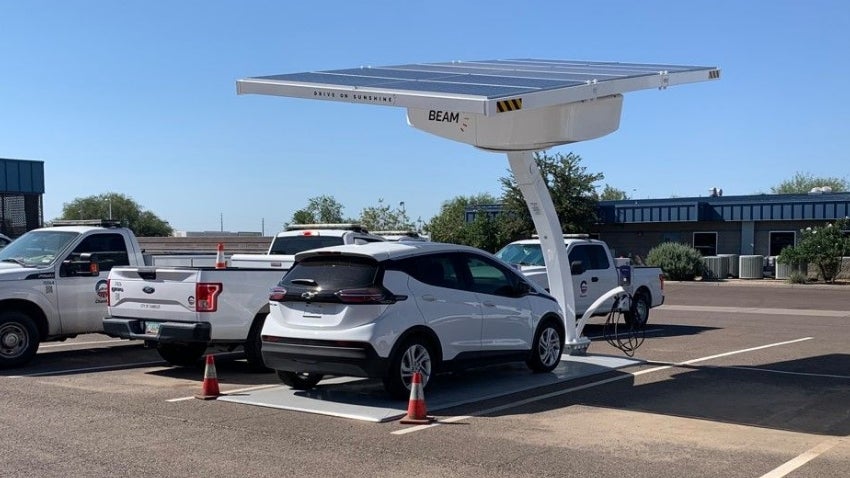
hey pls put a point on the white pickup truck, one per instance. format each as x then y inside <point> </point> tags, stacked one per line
<point>594,272</point>
<point>53,283</point>
<point>182,311</point>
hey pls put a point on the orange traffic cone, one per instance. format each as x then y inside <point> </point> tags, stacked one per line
<point>210,387</point>
<point>417,413</point>
<point>219,256</point>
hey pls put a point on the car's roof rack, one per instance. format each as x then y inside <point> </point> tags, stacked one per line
<point>566,236</point>
<point>397,233</point>
<point>345,226</point>
<point>88,222</point>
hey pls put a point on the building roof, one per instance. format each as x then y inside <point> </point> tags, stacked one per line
<point>759,207</point>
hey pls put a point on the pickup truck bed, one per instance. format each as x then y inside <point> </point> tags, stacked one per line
<point>185,310</point>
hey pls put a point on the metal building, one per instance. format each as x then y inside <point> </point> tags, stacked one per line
<point>760,224</point>
<point>21,191</point>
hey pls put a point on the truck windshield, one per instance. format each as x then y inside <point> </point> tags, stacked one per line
<point>37,248</point>
<point>294,244</point>
<point>522,254</point>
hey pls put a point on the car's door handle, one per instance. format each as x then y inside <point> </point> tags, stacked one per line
<point>429,297</point>
<point>594,279</point>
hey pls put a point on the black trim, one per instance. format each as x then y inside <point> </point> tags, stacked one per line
<point>41,275</point>
<point>356,359</point>
<point>169,332</point>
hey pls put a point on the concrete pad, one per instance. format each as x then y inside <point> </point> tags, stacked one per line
<point>363,399</point>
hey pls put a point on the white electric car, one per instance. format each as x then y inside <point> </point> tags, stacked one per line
<point>388,309</point>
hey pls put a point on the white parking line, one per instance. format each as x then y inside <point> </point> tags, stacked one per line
<point>91,369</point>
<point>591,385</point>
<point>802,459</point>
<point>94,342</point>
<point>230,392</point>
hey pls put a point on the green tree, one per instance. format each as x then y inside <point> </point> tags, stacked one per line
<point>450,225</point>
<point>385,218</point>
<point>610,193</point>
<point>802,183</point>
<point>821,246</point>
<point>120,207</point>
<point>320,209</point>
<point>572,190</point>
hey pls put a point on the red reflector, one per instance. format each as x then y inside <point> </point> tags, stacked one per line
<point>365,295</point>
<point>206,296</point>
<point>108,292</point>
<point>271,338</point>
<point>277,294</point>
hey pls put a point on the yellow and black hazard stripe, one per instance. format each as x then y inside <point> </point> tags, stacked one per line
<point>509,105</point>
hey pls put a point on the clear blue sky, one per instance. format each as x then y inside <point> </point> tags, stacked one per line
<point>139,98</point>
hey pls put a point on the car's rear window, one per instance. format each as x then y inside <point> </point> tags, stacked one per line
<point>295,244</point>
<point>332,273</point>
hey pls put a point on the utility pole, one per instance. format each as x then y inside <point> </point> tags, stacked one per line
<point>221,219</point>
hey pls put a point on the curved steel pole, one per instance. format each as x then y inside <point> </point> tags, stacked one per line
<point>542,209</point>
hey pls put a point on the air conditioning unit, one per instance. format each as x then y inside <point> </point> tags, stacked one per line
<point>713,268</point>
<point>732,263</point>
<point>751,267</point>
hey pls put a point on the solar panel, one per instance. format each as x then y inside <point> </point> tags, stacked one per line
<point>477,86</point>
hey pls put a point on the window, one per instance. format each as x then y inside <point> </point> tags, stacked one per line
<point>592,256</point>
<point>295,244</point>
<point>488,278</point>
<point>436,269</point>
<point>108,249</point>
<point>780,240</point>
<point>706,243</point>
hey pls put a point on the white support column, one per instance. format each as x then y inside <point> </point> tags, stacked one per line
<point>539,202</point>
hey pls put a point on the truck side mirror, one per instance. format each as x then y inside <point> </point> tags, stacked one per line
<point>577,268</point>
<point>84,266</point>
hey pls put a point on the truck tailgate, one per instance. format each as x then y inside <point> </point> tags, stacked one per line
<point>150,293</point>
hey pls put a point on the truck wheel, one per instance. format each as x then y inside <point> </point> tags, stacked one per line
<point>253,345</point>
<point>638,313</point>
<point>181,355</point>
<point>413,355</point>
<point>18,339</point>
<point>300,381</point>
<point>546,348</point>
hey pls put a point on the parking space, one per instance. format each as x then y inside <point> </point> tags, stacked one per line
<point>744,380</point>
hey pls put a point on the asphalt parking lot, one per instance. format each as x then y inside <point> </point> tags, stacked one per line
<point>738,379</point>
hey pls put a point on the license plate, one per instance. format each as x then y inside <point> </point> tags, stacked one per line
<point>152,328</point>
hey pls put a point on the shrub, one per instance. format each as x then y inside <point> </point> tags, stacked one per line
<point>797,277</point>
<point>677,261</point>
<point>822,247</point>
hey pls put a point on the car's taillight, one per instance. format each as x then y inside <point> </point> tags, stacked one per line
<point>365,295</point>
<point>206,296</point>
<point>661,278</point>
<point>108,292</point>
<point>277,294</point>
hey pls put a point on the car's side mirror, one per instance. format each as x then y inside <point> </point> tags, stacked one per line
<point>577,268</point>
<point>522,288</point>
<point>84,266</point>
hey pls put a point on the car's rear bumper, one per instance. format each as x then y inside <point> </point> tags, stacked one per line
<point>356,359</point>
<point>169,332</point>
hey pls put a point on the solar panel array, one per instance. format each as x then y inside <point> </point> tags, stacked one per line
<point>478,87</point>
<point>489,79</point>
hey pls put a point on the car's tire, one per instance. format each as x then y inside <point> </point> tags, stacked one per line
<point>300,380</point>
<point>638,313</point>
<point>415,353</point>
<point>19,339</point>
<point>547,347</point>
<point>181,355</point>
<point>253,345</point>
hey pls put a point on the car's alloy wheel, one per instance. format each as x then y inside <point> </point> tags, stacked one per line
<point>546,349</point>
<point>549,347</point>
<point>412,356</point>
